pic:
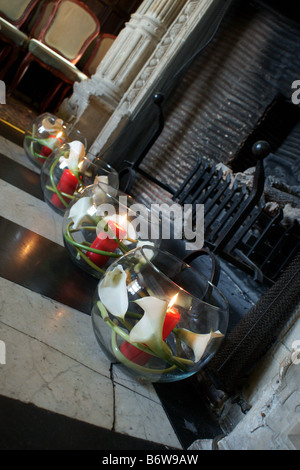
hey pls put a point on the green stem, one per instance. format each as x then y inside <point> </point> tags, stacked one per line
<point>77,175</point>
<point>54,185</point>
<point>126,324</point>
<point>35,155</point>
<point>88,261</point>
<point>84,227</point>
<point>70,196</point>
<point>32,151</point>
<point>30,137</point>
<point>165,355</point>
<point>38,155</point>
<point>138,316</point>
<point>119,330</point>
<point>122,247</point>
<point>132,365</point>
<point>71,240</point>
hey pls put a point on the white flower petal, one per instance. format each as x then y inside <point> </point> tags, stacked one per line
<point>100,192</point>
<point>77,150</point>
<point>148,330</point>
<point>148,253</point>
<point>76,155</point>
<point>113,291</point>
<point>197,342</point>
<point>82,211</point>
<point>101,179</point>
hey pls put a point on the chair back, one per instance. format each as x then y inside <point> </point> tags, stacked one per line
<point>70,29</point>
<point>17,11</point>
<point>103,44</point>
<point>41,16</point>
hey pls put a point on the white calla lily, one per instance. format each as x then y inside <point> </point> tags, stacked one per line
<point>82,211</point>
<point>101,179</point>
<point>197,342</point>
<point>148,253</point>
<point>112,291</point>
<point>148,330</point>
<point>76,155</point>
<point>99,190</point>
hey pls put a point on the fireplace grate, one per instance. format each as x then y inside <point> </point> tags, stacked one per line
<point>237,226</point>
<point>246,236</point>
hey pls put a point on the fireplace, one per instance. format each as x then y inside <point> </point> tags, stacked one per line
<point>225,133</point>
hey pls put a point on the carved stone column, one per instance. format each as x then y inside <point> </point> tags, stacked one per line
<point>95,100</point>
<point>194,24</point>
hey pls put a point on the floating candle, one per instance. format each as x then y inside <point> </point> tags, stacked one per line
<point>67,184</point>
<point>140,357</point>
<point>105,242</point>
<point>69,181</point>
<point>46,150</point>
<point>172,318</point>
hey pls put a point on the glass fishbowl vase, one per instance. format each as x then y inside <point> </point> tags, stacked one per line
<point>45,134</point>
<point>102,223</point>
<point>157,317</point>
<point>68,171</point>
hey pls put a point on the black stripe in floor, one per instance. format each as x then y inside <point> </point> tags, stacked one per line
<point>21,177</point>
<point>26,427</point>
<point>188,412</point>
<point>42,266</point>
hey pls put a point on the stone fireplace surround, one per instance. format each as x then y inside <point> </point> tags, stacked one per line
<point>160,37</point>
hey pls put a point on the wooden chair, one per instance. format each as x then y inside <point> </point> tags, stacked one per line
<point>13,15</point>
<point>103,44</point>
<point>66,35</point>
<point>17,11</point>
<point>43,12</point>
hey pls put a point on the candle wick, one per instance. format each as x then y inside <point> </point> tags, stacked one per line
<point>172,301</point>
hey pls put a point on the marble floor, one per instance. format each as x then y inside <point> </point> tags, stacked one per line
<point>53,360</point>
<point>57,388</point>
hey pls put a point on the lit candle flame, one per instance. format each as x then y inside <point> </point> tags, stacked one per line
<point>80,164</point>
<point>173,300</point>
<point>123,221</point>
